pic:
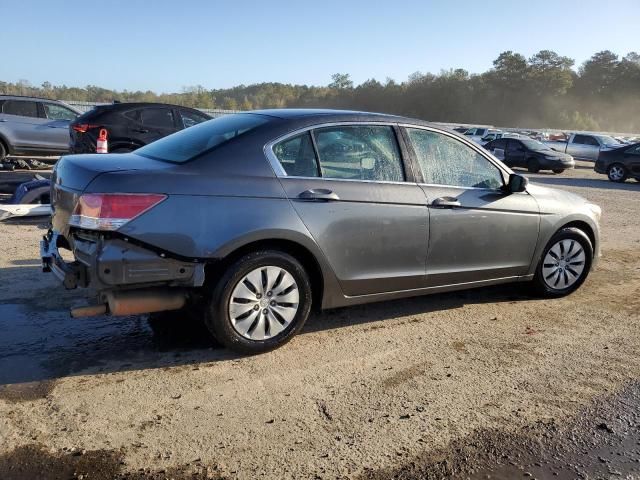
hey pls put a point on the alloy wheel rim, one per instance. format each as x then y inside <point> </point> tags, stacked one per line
<point>563,264</point>
<point>616,173</point>
<point>264,303</point>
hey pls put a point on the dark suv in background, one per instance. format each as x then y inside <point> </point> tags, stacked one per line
<point>34,126</point>
<point>130,125</point>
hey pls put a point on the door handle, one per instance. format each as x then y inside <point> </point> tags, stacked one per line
<point>319,194</point>
<point>140,130</point>
<point>445,202</point>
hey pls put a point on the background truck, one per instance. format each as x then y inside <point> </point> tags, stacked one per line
<point>584,146</point>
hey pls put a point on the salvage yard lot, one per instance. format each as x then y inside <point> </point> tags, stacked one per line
<point>362,391</point>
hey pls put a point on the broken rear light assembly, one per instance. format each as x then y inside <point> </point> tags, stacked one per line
<point>110,211</point>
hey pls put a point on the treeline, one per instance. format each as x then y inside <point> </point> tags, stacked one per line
<point>542,91</point>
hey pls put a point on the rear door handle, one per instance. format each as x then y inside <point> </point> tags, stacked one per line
<point>445,202</point>
<point>319,194</point>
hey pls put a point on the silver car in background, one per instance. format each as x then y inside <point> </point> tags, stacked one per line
<point>254,218</point>
<point>34,126</point>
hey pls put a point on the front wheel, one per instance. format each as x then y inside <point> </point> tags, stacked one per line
<point>260,302</point>
<point>564,263</point>
<point>617,173</point>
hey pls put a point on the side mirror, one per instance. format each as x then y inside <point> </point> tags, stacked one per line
<point>517,183</point>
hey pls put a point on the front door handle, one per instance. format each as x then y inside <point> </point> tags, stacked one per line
<point>322,194</point>
<point>445,202</point>
<point>140,130</point>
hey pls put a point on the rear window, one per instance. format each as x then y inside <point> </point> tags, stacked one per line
<point>191,142</point>
<point>22,108</point>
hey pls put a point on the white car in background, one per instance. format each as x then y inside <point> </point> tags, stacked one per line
<point>476,133</point>
<point>496,134</point>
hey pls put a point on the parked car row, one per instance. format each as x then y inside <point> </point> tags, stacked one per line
<point>38,126</point>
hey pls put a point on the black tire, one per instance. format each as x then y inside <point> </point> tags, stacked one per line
<point>558,171</point>
<point>217,317</point>
<point>121,150</point>
<point>613,172</point>
<point>541,286</point>
<point>3,151</point>
<point>533,165</point>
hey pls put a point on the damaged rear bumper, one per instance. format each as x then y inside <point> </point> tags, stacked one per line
<point>108,264</point>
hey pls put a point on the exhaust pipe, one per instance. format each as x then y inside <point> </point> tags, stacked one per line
<point>89,311</point>
<point>134,302</point>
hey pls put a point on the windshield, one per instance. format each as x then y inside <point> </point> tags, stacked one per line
<point>193,141</point>
<point>534,145</point>
<point>607,140</point>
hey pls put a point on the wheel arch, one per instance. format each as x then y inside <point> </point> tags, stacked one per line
<point>584,227</point>
<point>301,253</point>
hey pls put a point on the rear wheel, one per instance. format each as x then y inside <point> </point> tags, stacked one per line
<point>558,171</point>
<point>533,165</point>
<point>564,264</point>
<point>262,300</point>
<point>617,173</point>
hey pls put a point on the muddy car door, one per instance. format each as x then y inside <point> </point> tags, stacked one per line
<point>477,231</point>
<point>349,186</point>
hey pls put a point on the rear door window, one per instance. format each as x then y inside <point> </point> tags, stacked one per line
<point>297,157</point>
<point>157,117</point>
<point>23,108</point>
<point>189,118</point>
<point>502,143</point>
<point>514,146</point>
<point>362,152</point>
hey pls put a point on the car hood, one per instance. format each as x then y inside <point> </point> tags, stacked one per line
<point>553,200</point>
<point>555,154</point>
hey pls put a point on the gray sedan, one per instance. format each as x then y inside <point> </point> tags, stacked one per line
<point>256,217</point>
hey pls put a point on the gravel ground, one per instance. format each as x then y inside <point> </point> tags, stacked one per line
<point>392,389</point>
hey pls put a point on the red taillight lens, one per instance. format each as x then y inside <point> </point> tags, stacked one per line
<point>110,211</point>
<point>83,127</point>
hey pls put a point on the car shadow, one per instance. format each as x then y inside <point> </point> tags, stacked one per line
<point>41,342</point>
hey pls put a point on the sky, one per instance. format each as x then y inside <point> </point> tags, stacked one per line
<point>164,45</point>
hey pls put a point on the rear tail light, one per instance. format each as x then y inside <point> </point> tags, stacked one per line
<point>110,211</point>
<point>83,127</point>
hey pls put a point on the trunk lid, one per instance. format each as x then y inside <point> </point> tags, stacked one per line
<point>72,174</point>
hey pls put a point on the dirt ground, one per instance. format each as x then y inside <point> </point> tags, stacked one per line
<point>430,387</point>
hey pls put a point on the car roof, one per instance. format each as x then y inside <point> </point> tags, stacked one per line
<point>26,97</point>
<point>128,105</point>
<point>312,115</point>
